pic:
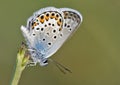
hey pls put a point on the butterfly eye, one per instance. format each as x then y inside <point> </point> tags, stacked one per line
<point>46,61</point>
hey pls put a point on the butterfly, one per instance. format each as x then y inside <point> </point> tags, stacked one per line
<point>47,30</point>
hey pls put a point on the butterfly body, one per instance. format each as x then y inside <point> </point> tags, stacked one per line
<point>48,29</point>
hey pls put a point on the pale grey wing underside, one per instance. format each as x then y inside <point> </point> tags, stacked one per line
<point>72,20</point>
<point>38,39</point>
<point>48,29</point>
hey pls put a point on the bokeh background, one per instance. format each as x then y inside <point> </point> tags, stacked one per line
<point>92,53</point>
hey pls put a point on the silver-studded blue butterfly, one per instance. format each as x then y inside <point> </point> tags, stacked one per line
<point>48,29</point>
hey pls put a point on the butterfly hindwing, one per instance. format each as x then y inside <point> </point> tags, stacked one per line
<point>45,27</point>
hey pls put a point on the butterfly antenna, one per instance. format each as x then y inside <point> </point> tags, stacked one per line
<point>61,67</point>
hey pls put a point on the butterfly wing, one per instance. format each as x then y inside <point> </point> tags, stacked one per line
<point>48,29</point>
<point>43,29</point>
<point>72,20</point>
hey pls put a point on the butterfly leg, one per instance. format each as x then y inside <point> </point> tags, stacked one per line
<point>32,64</point>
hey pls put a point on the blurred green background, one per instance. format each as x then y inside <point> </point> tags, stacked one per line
<point>93,53</point>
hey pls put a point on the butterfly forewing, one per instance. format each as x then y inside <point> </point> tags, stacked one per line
<point>72,20</point>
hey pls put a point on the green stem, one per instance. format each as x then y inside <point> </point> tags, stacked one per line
<point>22,61</point>
<point>17,74</point>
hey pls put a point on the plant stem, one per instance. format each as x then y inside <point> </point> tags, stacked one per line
<point>21,62</point>
<point>17,74</point>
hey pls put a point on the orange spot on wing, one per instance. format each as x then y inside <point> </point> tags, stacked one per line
<point>46,18</point>
<point>59,23</point>
<point>41,20</point>
<point>56,18</point>
<point>34,24</point>
<point>52,17</point>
